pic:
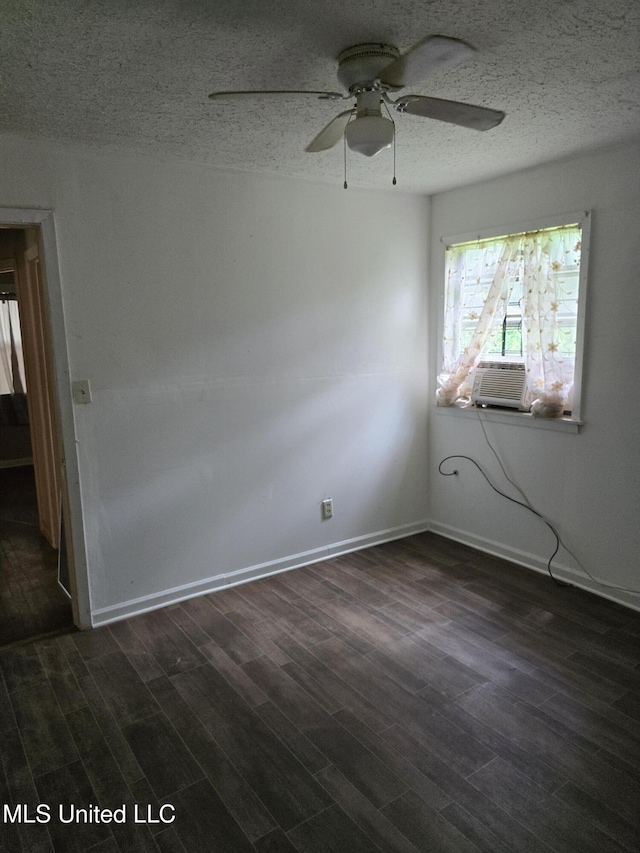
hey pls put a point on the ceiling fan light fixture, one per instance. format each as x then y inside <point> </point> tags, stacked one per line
<point>369,135</point>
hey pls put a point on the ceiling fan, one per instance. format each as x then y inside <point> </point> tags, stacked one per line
<point>369,72</point>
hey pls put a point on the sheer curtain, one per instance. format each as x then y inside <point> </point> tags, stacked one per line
<point>550,313</point>
<point>12,381</point>
<point>466,274</point>
<point>480,278</point>
<point>6,372</point>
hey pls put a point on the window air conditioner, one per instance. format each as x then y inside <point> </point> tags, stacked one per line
<point>500,383</point>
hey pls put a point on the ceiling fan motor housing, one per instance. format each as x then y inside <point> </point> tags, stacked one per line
<point>363,63</point>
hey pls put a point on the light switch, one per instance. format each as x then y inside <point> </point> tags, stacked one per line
<point>81,391</point>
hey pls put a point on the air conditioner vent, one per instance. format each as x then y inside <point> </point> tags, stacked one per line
<point>500,383</point>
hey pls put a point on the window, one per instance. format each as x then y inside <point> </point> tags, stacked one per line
<point>517,298</point>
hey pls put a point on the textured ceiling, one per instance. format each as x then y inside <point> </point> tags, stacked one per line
<point>135,75</point>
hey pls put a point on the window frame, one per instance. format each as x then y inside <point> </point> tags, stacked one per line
<point>583,219</point>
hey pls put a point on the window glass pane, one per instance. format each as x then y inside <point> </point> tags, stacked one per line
<point>513,297</point>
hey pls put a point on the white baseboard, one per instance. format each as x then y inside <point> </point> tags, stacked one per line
<point>136,606</point>
<point>538,564</point>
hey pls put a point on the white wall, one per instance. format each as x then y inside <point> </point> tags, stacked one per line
<point>254,345</point>
<point>587,484</point>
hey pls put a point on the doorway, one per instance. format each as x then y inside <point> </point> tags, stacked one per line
<point>43,585</point>
<point>32,600</point>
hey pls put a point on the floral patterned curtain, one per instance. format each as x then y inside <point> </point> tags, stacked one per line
<point>550,267</point>
<point>481,278</point>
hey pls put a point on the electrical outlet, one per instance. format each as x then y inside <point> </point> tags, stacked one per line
<point>327,509</point>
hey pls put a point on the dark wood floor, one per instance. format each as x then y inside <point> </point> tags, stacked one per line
<point>31,602</point>
<point>415,696</point>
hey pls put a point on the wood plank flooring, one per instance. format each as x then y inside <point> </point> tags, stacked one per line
<point>417,696</point>
<point>31,601</point>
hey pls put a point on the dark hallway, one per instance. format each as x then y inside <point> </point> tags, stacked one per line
<point>31,602</point>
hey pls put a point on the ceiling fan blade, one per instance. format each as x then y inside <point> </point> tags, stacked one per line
<point>465,115</point>
<point>331,134</point>
<point>423,58</point>
<point>330,96</point>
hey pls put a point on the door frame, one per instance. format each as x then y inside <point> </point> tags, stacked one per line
<point>44,222</point>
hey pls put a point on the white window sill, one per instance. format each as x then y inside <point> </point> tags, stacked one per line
<point>513,417</point>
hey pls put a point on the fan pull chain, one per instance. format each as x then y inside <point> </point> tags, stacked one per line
<point>344,138</point>
<point>394,182</point>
